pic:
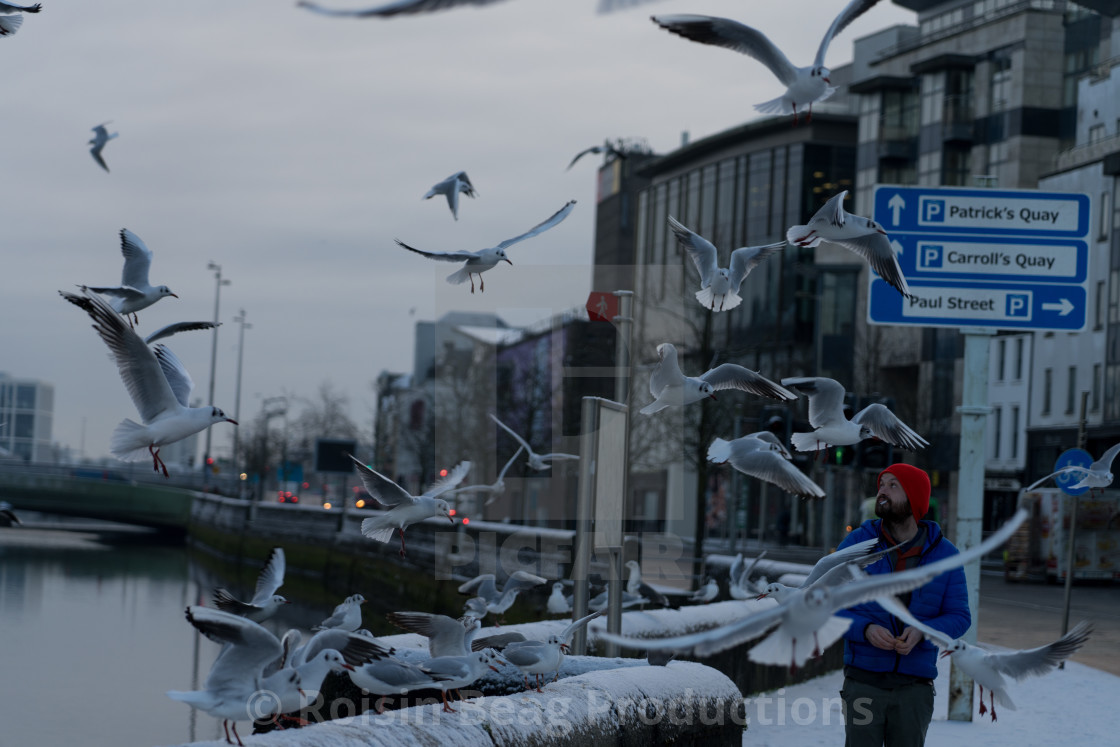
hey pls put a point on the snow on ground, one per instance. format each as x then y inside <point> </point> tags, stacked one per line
<point>1067,706</point>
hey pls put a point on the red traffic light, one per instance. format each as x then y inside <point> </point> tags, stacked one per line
<point>443,473</point>
<point>209,461</point>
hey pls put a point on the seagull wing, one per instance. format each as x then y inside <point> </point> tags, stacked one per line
<point>1104,464</point>
<point>176,374</point>
<point>830,561</point>
<point>177,327</point>
<point>137,260</point>
<point>886,426</point>
<point>271,577</point>
<point>510,431</point>
<point>668,371</point>
<point>463,184</point>
<point>521,580</point>
<point>123,292</point>
<point>95,151</point>
<point>723,32</point>
<point>453,478</point>
<point>482,586</point>
<point>398,7</point>
<point>774,442</point>
<point>894,607</point>
<point>252,647</point>
<point>541,227</point>
<point>442,256</point>
<point>707,642</point>
<point>568,631</point>
<point>584,152</point>
<point>142,374</point>
<point>876,248</point>
<point>832,212</point>
<point>1037,661</point>
<point>851,12</point>
<point>384,490</point>
<point>732,376</point>
<point>702,251</point>
<point>826,398</point>
<point>773,468</point>
<point>502,474</point>
<point>746,258</point>
<point>447,635</point>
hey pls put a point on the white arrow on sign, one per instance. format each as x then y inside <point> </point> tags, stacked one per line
<point>1063,307</point>
<point>896,246</point>
<point>896,204</point>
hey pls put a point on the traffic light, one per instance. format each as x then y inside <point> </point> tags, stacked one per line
<point>876,454</point>
<point>775,419</point>
<point>842,456</point>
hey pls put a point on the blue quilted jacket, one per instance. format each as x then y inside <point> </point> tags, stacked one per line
<point>941,604</point>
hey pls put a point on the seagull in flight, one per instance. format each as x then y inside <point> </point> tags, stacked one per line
<point>451,187</point>
<point>536,461</point>
<point>763,456</point>
<point>987,668</point>
<point>861,235</point>
<point>11,16</point>
<point>416,7</point>
<point>497,602</point>
<point>485,259</point>
<point>670,387</point>
<point>265,601</point>
<point>804,85</point>
<point>831,428</point>
<point>97,143</point>
<point>176,327</point>
<point>606,148</point>
<point>494,490</point>
<point>134,293</point>
<point>716,281</point>
<point>404,508</point>
<point>157,382</point>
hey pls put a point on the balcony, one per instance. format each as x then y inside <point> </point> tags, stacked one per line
<point>957,118</point>
<point>1083,155</point>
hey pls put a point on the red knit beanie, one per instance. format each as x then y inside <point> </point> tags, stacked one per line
<point>915,483</point>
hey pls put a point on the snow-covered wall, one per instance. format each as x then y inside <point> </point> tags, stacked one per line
<point>681,703</point>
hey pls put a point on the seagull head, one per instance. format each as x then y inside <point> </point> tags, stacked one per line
<point>865,432</point>
<point>501,254</point>
<point>821,72</point>
<point>217,416</point>
<point>443,509</point>
<point>277,599</point>
<point>707,390</point>
<point>165,291</point>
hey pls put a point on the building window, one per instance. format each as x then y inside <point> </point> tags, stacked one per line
<point>1099,310</point>
<point>1095,397</point>
<point>1104,211</point>
<point>899,120</point>
<point>25,397</point>
<point>997,413</point>
<point>1014,431</point>
<point>1096,134</point>
<point>1018,359</point>
<point>1047,389</point>
<point>1071,390</point>
<point>1000,84</point>
<point>1000,363</point>
<point>955,168</point>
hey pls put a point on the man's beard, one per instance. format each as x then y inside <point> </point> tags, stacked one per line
<point>891,513</point>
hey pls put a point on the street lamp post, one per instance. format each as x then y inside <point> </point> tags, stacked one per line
<point>213,352</point>
<point>240,319</point>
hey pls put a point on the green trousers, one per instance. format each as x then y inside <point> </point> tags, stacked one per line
<point>874,717</point>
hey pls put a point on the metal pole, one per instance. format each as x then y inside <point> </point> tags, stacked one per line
<point>581,563</point>
<point>213,353</point>
<point>625,322</point>
<point>969,504</point>
<point>237,399</point>
<point>1072,526</point>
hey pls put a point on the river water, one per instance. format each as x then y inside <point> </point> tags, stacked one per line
<point>93,635</point>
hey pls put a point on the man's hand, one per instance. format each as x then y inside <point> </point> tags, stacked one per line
<point>906,642</point>
<point>880,637</point>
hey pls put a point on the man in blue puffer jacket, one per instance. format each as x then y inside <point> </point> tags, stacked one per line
<point>889,668</point>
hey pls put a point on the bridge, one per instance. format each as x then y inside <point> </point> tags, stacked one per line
<point>97,493</point>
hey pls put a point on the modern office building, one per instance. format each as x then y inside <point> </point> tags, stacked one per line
<point>26,414</point>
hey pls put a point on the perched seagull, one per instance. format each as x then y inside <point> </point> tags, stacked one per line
<point>404,508</point>
<point>536,461</point>
<point>810,613</point>
<point>390,676</point>
<point>635,585</point>
<point>235,685</point>
<point>706,593</point>
<point>177,327</point>
<point>716,281</point>
<point>446,635</point>
<point>485,259</point>
<point>453,672</point>
<point>451,187</point>
<point>265,600</point>
<point>494,490</point>
<point>100,137</point>
<point>831,428</point>
<point>541,657</point>
<point>739,578</point>
<point>670,387</point>
<point>861,235</point>
<point>986,668</point>
<point>606,148</point>
<point>558,602</point>
<point>804,85</point>
<point>346,616</point>
<point>157,382</point>
<point>763,456</point>
<point>497,602</point>
<point>134,293</point>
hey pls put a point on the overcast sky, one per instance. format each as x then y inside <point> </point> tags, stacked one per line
<point>292,148</point>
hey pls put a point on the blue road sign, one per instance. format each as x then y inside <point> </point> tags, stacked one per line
<point>1004,259</point>
<point>1066,480</point>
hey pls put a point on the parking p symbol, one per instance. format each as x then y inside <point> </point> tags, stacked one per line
<point>933,211</point>
<point>1018,305</point>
